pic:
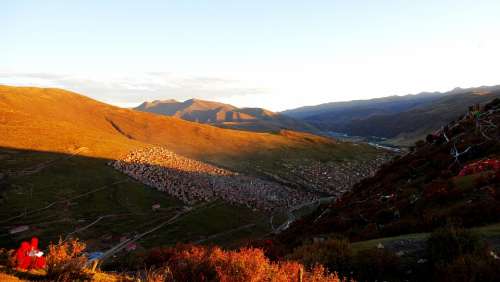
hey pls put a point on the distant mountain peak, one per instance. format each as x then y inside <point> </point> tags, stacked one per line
<point>225,115</point>
<point>149,104</point>
<point>166,101</point>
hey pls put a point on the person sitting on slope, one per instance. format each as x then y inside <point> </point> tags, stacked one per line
<point>37,259</point>
<point>23,260</point>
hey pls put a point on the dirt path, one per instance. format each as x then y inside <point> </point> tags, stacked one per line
<point>137,237</point>
<point>291,216</point>
<point>91,224</point>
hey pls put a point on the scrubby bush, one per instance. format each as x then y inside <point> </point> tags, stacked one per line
<point>377,264</point>
<point>446,244</point>
<point>7,257</point>
<point>334,253</point>
<point>480,268</point>
<point>319,274</point>
<point>160,274</point>
<point>65,260</point>
<point>457,254</point>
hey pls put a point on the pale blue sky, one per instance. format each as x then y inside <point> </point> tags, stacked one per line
<point>274,54</point>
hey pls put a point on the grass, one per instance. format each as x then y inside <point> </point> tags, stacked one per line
<point>488,232</point>
<point>217,218</point>
<point>130,201</point>
<point>370,244</point>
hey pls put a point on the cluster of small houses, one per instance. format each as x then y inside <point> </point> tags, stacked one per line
<point>335,178</point>
<point>193,181</point>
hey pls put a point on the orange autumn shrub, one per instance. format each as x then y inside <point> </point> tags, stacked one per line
<point>65,260</point>
<point>287,271</point>
<point>244,265</point>
<point>319,274</point>
<point>199,263</point>
<point>154,275</point>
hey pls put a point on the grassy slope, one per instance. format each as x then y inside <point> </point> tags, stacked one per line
<point>39,125</point>
<point>130,201</point>
<point>487,232</point>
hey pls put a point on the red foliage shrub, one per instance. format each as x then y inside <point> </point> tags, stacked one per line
<point>480,166</point>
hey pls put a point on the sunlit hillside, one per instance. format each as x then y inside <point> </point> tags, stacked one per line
<point>56,120</point>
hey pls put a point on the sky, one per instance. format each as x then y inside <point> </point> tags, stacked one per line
<point>261,53</point>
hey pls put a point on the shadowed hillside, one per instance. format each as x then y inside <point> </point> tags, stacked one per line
<point>453,176</point>
<point>51,195</point>
<point>224,115</point>
<point>341,112</point>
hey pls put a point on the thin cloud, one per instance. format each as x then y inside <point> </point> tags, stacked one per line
<point>127,90</point>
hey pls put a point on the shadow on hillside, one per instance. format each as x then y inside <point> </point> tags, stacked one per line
<point>48,195</point>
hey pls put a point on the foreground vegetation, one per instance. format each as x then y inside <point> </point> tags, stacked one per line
<point>66,261</point>
<point>448,254</point>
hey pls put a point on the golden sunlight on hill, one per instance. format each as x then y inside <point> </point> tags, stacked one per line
<point>61,121</point>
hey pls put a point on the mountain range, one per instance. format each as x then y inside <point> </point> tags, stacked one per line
<point>403,119</point>
<point>225,115</point>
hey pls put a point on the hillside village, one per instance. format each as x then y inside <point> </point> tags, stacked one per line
<point>193,181</point>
